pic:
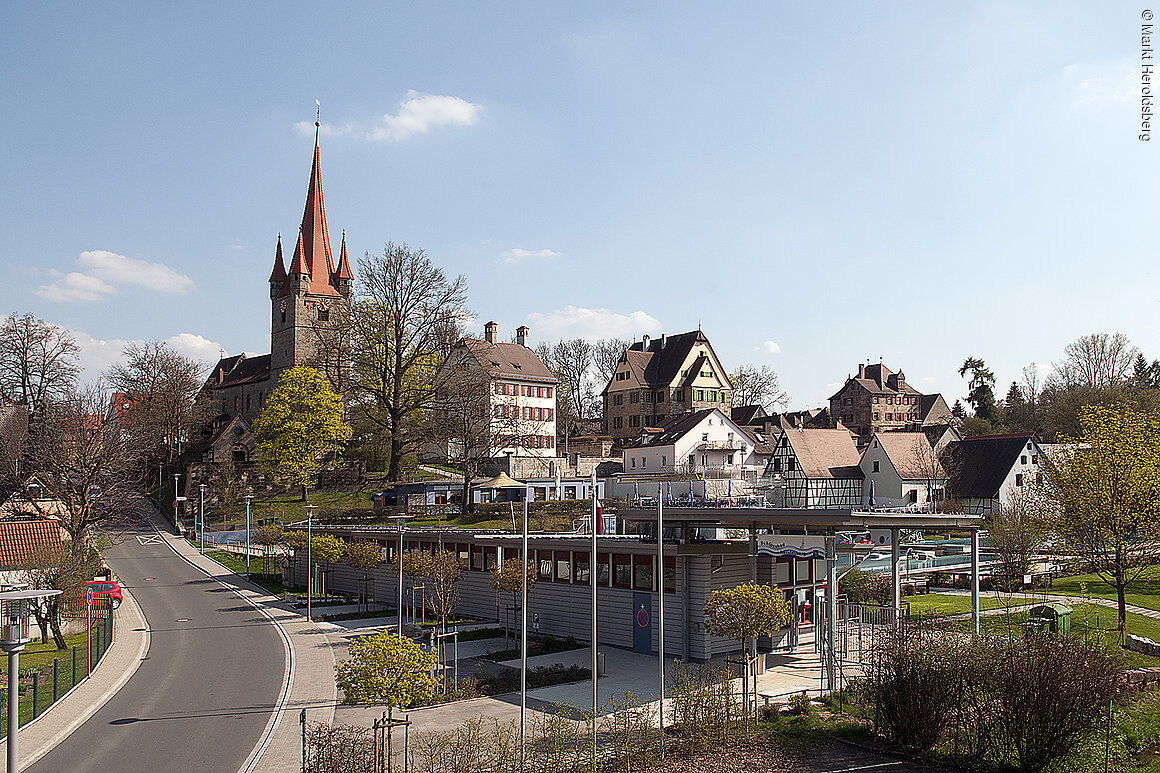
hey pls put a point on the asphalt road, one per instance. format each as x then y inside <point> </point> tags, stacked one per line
<point>208,685</point>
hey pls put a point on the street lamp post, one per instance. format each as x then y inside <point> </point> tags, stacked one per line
<point>592,576</point>
<point>15,610</point>
<point>176,475</point>
<point>248,498</point>
<point>309,560</point>
<point>524,633</point>
<point>201,510</point>
<point>401,520</point>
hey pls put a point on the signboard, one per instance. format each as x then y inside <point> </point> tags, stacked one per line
<point>795,545</point>
<point>535,621</point>
<point>89,597</point>
<point>880,537</point>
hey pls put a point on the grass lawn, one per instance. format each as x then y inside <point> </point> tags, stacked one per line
<point>941,604</point>
<point>1144,592</point>
<point>237,564</point>
<point>41,654</point>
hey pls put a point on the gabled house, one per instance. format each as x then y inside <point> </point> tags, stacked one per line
<point>662,377</point>
<point>521,392</point>
<point>901,469</point>
<point>878,399</point>
<point>705,443</point>
<point>984,472</point>
<point>814,468</point>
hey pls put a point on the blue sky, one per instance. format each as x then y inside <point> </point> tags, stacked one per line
<point>815,186</point>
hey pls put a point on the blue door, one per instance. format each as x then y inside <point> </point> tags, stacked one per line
<point>642,623</point>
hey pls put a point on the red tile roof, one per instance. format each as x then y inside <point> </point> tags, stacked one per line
<point>21,540</point>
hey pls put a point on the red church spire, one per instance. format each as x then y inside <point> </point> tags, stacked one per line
<point>343,271</point>
<point>279,272</point>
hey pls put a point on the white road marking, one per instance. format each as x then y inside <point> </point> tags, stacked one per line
<point>866,767</point>
<point>150,540</point>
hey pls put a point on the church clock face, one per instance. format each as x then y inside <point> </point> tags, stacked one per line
<point>282,306</point>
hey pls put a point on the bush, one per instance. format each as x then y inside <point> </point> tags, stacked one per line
<point>799,704</point>
<point>865,587</point>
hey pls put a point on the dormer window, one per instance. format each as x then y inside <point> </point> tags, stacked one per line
<point>704,437</point>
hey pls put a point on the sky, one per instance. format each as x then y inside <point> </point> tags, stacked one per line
<point>814,186</point>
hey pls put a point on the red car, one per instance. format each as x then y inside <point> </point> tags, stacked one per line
<point>104,592</point>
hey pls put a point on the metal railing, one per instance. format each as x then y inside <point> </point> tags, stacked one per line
<point>43,685</point>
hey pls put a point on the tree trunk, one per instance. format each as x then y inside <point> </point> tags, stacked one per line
<point>396,452</point>
<point>305,495</point>
<point>468,505</point>
<point>1122,606</point>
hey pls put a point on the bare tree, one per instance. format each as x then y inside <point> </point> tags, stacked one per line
<point>160,385</point>
<point>1016,531</point>
<point>754,385</point>
<point>606,353</point>
<point>571,362</point>
<point>38,361</point>
<point>87,467</point>
<point>406,310</point>
<point>64,568</point>
<point>333,352</point>
<point>1096,361</point>
<point>467,429</point>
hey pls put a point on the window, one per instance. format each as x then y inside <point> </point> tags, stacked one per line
<point>712,395</point>
<point>777,464</point>
<point>644,461</point>
<point>618,422</point>
<point>890,401</point>
<point>283,316</point>
<point>670,574</point>
<point>848,401</point>
<point>632,460</point>
<point>704,437</point>
<point>678,395</point>
<point>790,464</point>
<point>550,411</point>
<point>875,399</point>
<point>1019,479</point>
<point>602,574</point>
<point>324,315</point>
<point>580,573</point>
<point>875,415</point>
<point>876,465</point>
<point>729,459</point>
<point>618,399</point>
<point>544,565</point>
<point>633,397</point>
<point>700,394</point>
<point>1035,458</point>
<point>660,397</point>
<point>549,395</point>
<point>1023,459</point>
<point>802,570</point>
<point>634,421</point>
<point>781,571</point>
<point>621,571</point>
<point>490,561</point>
<point>642,572</point>
<point>476,558</point>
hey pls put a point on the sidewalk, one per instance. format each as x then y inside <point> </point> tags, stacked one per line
<point>309,680</point>
<point>1043,598</point>
<point>130,645</point>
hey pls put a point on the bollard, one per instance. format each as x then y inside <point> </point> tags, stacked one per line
<point>35,693</point>
<point>55,679</point>
<point>74,679</point>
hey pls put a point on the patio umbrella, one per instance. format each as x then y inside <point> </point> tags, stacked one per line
<point>870,503</point>
<point>635,490</point>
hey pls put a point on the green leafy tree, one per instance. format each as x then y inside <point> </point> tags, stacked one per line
<point>443,576</point>
<point>59,567</point>
<point>981,388</point>
<point>268,535</point>
<point>746,612</point>
<point>327,549</point>
<point>865,587</point>
<point>509,579</point>
<point>300,423</point>
<point>1108,494</point>
<point>386,670</point>
<point>362,556</point>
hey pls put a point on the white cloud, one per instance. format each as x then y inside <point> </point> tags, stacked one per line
<point>768,347</point>
<point>517,255</point>
<point>118,269</point>
<point>418,114</point>
<point>105,270</point>
<point>75,286</point>
<point>580,322</point>
<point>97,355</point>
<point>195,346</point>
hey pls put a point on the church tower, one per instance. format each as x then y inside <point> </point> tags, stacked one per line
<point>310,302</point>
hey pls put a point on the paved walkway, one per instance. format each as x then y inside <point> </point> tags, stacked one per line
<point>1043,598</point>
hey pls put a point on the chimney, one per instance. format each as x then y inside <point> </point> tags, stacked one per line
<point>522,335</point>
<point>490,332</point>
<point>644,343</point>
<point>663,337</point>
<point>861,370</point>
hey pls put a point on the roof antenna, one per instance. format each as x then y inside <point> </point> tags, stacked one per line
<point>317,120</point>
